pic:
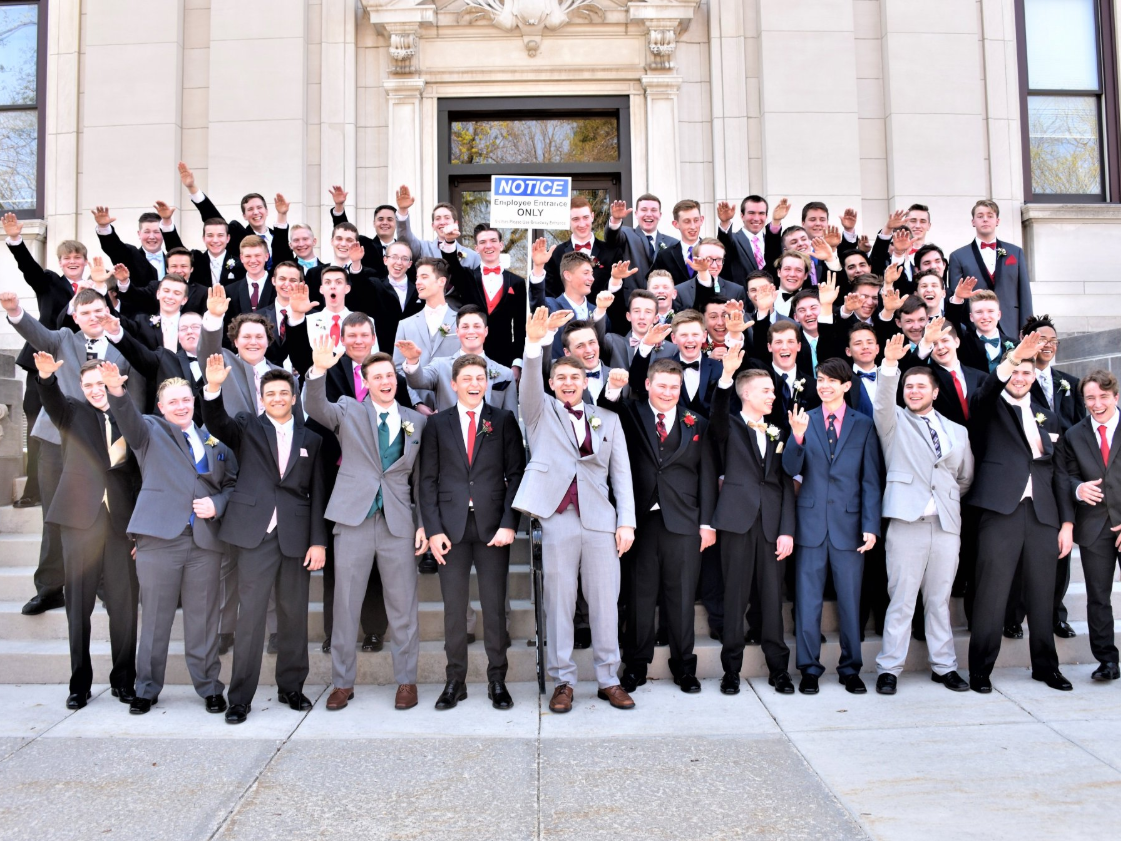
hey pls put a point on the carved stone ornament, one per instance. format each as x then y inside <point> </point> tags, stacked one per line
<point>531,17</point>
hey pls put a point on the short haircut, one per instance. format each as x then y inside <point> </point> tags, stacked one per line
<point>88,296</point>
<point>443,205</point>
<point>950,328</point>
<point>578,201</point>
<point>253,241</point>
<point>912,304</point>
<point>781,327</point>
<point>685,205</point>
<point>148,217</point>
<point>655,275</point>
<point>485,228</point>
<point>868,279</point>
<point>349,227</point>
<point>174,278</point>
<point>793,229</point>
<point>835,369</point>
<point>648,197</point>
<point>922,208</point>
<point>711,241</point>
<point>172,382</point>
<point>470,309</point>
<point>715,301</point>
<point>863,327</point>
<point>664,366</point>
<point>982,295</point>
<point>797,255</point>
<point>301,226</point>
<point>374,359</point>
<point>689,316</point>
<point>356,319</point>
<point>178,251</point>
<point>1100,377</point>
<point>567,362</point>
<point>921,371</point>
<point>744,377</point>
<point>382,207</point>
<point>466,359</point>
<point>249,197</point>
<point>759,274</point>
<point>813,205</point>
<point>926,249</point>
<point>752,198</point>
<point>989,203</point>
<point>215,222</point>
<point>859,254</point>
<point>292,264</point>
<point>642,295</point>
<point>89,365</point>
<point>439,267</point>
<point>574,326</point>
<point>326,270</point>
<point>802,295</point>
<point>573,260</point>
<point>70,246</point>
<point>928,273</point>
<point>249,318</point>
<point>1036,322</point>
<point>277,374</point>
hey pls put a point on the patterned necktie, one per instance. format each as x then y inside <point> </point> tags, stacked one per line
<point>1104,444</point>
<point>933,437</point>
<point>758,252</point>
<point>831,435</point>
<point>283,323</point>
<point>660,426</point>
<point>255,296</point>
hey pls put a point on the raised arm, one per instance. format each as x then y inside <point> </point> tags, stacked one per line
<point>55,403</point>
<point>38,336</point>
<point>214,413</point>
<point>132,424</point>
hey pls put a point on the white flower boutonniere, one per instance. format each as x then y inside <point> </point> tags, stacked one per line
<point>1040,418</point>
<point>595,422</point>
<point>1000,252</point>
<point>1065,385</point>
<point>408,427</point>
<point>154,321</point>
<point>443,329</point>
<point>661,246</point>
<point>492,374</point>
<point>1009,346</point>
<point>772,432</point>
<point>799,385</point>
<point>231,263</point>
<point>211,441</point>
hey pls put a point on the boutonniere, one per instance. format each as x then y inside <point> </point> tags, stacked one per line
<point>443,329</point>
<point>154,321</point>
<point>689,419</point>
<point>799,385</point>
<point>1065,385</point>
<point>661,246</point>
<point>408,427</point>
<point>772,432</point>
<point>669,315</point>
<point>492,374</point>
<point>1000,252</point>
<point>596,264</point>
<point>486,428</point>
<point>231,263</point>
<point>211,441</point>
<point>1040,418</point>
<point>460,255</point>
<point>707,346</point>
<point>1009,346</point>
<point>595,422</point>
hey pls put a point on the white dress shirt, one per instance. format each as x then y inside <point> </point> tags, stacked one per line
<point>401,287</point>
<point>691,378</point>
<point>760,434</point>
<point>988,256</point>
<point>284,453</point>
<point>197,448</point>
<point>1031,430</point>
<point>169,326</point>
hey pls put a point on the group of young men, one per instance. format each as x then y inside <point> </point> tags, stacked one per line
<point>770,414</point>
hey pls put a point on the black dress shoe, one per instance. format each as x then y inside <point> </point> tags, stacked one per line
<point>1063,629</point>
<point>372,642</point>
<point>75,701</point>
<point>225,643</point>
<point>271,647</point>
<point>980,683</point>
<point>296,700</point>
<point>27,502</point>
<point>808,685</point>
<point>853,684</point>
<point>1053,679</point>
<point>886,683</point>
<point>237,713</point>
<point>688,683</point>
<point>631,681</point>
<point>582,638</point>
<point>41,604</point>
<point>951,680</point>
<point>139,705</point>
<point>454,692</point>
<point>427,565</point>
<point>1106,671</point>
<point>661,638</point>
<point>326,647</point>
<point>782,683</point>
<point>215,704</point>
<point>752,637</point>
<point>499,696</point>
<point>730,683</point>
<point>715,634</point>
<point>1014,632</point>
<point>471,639</point>
<point>125,696</point>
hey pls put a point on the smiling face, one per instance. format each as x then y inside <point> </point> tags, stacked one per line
<point>919,223</point>
<point>856,264</point>
<point>641,315</point>
<point>181,265</point>
<point>933,260</point>
<point>1023,375</point>
<point>918,393</point>
<point>385,224</point>
<point>578,281</point>
<point>151,237</point>
<point>215,238</point>
<point>754,216</point>
<point>381,380</point>
<point>863,348</point>
<point>252,342</point>
<point>791,274</point>
<point>716,321</point>
<point>171,295</point>
<point>757,396</point>
<point>177,405</point>
<point>664,390</point>
<point>932,292</point>
<point>358,341</point>
<point>869,301</point>
<point>784,347</point>
<point>341,243</point>
<point>664,290</point>
<point>689,337</point>
<point>798,241</point>
<point>303,243</point>
<point>1050,345</point>
<point>715,254</point>
<point>93,388</point>
<point>568,384</point>
<point>255,213</point>
<point>985,316</point>
<point>648,214</point>
<point>470,385</point>
<point>753,287</point>
<point>429,287</point>
<point>284,278</point>
<point>945,351</point>
<point>190,329</point>
<point>442,220</point>
<point>254,258</point>
<point>688,222</point>
<point>831,391</point>
<point>584,345</point>
<point>472,333</point>
<point>807,313</point>
<point>580,223</point>
<point>489,246</point>
<point>914,324</point>
<point>398,257</point>
<point>73,266</point>
<point>1100,403</point>
<point>816,222</point>
<point>278,399</point>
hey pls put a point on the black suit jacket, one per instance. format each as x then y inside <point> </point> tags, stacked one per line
<point>232,269</point>
<point>298,496</point>
<point>240,295</point>
<point>1084,463</point>
<point>672,260</point>
<point>947,403</point>
<point>159,364</point>
<point>603,258</point>
<point>52,294</point>
<point>1068,401</point>
<point>709,374</point>
<point>132,256</point>
<point>506,324</point>
<point>448,481</point>
<point>377,298</point>
<point>86,474</point>
<point>238,231</point>
<point>739,258</point>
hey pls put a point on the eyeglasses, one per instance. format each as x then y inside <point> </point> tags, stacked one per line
<point>1049,343</point>
<point>398,259</point>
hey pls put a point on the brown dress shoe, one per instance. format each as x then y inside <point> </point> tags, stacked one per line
<point>561,701</point>
<point>338,698</point>
<point>406,696</point>
<point>617,697</point>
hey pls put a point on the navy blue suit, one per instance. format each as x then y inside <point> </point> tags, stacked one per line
<point>838,502</point>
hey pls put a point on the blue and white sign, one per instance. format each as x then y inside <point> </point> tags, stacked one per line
<point>518,201</point>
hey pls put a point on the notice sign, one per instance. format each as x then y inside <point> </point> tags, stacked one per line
<point>518,201</point>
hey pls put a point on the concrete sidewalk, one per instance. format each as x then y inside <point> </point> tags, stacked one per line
<point>1023,763</point>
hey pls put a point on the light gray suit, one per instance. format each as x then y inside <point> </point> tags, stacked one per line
<point>436,377</point>
<point>415,329</point>
<point>922,551</point>
<point>431,248</point>
<point>174,558</point>
<point>576,544</point>
<point>386,538</point>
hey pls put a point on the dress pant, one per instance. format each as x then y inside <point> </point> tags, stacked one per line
<point>1005,541</point>
<point>492,567</point>
<point>667,562</point>
<point>965,584</point>
<point>570,551</point>
<point>357,549</point>
<point>262,571</point>
<point>50,574</point>
<point>874,596</point>
<point>1016,612</point>
<point>750,565</point>
<point>227,611</point>
<point>847,567</point>
<point>373,619</point>
<point>91,556</point>
<point>32,405</point>
<point>710,588</point>
<point>170,570</point>
<point>921,557</point>
<point>1099,566</point>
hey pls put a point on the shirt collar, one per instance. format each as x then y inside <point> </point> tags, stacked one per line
<point>671,413</point>
<point>1023,402</point>
<point>392,410</point>
<point>838,413</point>
<point>287,427</point>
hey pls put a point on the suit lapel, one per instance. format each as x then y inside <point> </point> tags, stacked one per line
<point>565,422</point>
<point>484,413</point>
<point>686,437</point>
<point>650,435</point>
<point>274,446</point>
<point>982,271</point>
<point>844,434</point>
<point>1114,445</point>
<point>207,452</point>
<point>294,452</point>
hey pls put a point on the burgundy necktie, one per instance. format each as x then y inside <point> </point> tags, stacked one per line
<point>255,298</point>
<point>661,427</point>
<point>991,245</point>
<point>584,246</point>
<point>283,323</point>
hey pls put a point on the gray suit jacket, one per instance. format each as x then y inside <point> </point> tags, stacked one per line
<point>635,247</point>
<point>431,248</point>
<point>555,459</point>
<point>360,475</point>
<point>619,349</point>
<point>914,471</point>
<point>70,347</point>
<point>436,376</point>
<point>415,329</point>
<point>170,481</point>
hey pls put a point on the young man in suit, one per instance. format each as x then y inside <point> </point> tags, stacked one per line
<point>374,511</point>
<point>820,256</point>
<point>997,265</point>
<point>956,382</point>
<point>218,262</point>
<point>660,285</point>
<point>837,454</point>
<point>687,219</point>
<point>445,224</point>
<point>755,520</point>
<point>793,383</point>
<point>700,373</point>
<point>641,244</point>
<point>255,291</point>
<point>576,453</point>
<point>147,263</point>
<point>160,328</point>
<point>472,460</point>
<point>812,310</point>
<point>642,313</point>
<point>1095,480</point>
<point>387,300</point>
<point>275,519</point>
<point>385,234</point>
<point>73,347</point>
<point>499,293</point>
<point>95,497</point>
<point>583,240</point>
<point>579,278</point>
<point>254,210</point>
<point>187,477</point>
<point>158,364</point>
<point>141,301</point>
<point>433,329</point>
<point>707,281</point>
<point>302,242</point>
<point>793,269</point>
<point>753,248</point>
<point>1027,518</point>
<point>983,340</point>
<point>674,470</point>
<point>334,284</point>
<point>863,350</point>
<point>929,469</point>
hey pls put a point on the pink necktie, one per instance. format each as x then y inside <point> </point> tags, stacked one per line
<point>284,450</point>
<point>360,389</point>
<point>758,253</point>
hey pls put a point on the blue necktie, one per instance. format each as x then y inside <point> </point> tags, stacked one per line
<point>864,400</point>
<point>994,361</point>
<point>689,268</point>
<point>200,466</point>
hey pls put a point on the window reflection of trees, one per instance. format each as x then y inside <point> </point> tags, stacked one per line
<point>1065,145</point>
<point>19,119</point>
<point>519,141</point>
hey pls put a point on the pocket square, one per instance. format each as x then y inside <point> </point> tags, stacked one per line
<point>499,386</point>
<point>303,453</point>
<point>1054,436</point>
<point>778,449</point>
<point>221,456</point>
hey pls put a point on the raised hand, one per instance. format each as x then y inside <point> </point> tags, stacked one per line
<point>110,324</point>
<point>725,210</point>
<point>324,354</point>
<point>216,301</point>
<point>864,245</point>
<point>165,210</point>
<point>216,371</point>
<point>114,380</point>
<point>896,219</point>
<point>535,328</point>
<point>187,177</point>
<point>735,322</point>
<point>46,365</point>
<point>799,421</point>
<point>892,274</point>
<point>935,330</point>
<point>622,269</point>
<point>827,292</point>
<point>765,298</point>
<point>13,228</point>
<point>558,319</point>
<point>901,241</point>
<point>833,236</point>
<point>732,360</point>
<point>451,232</point>
<point>780,210</point>
<point>541,254</point>
<point>848,219</point>
<point>620,211</point>
<point>120,272</point>
<point>657,334</point>
<point>409,350</point>
<point>700,264</point>
<point>338,196</point>
<point>101,216</point>
<point>1028,347</point>
<point>894,349</point>
<point>893,300</point>
<point>405,199</point>
<point>853,303</point>
<point>357,253</point>
<point>281,204</point>
<point>604,300</point>
<point>821,249</point>
<point>299,299</point>
<point>618,378</point>
<point>965,288</point>
<point>10,302</point>
<point>98,273</point>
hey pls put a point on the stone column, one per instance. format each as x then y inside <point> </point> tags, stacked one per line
<point>663,153</point>
<point>404,155</point>
<point>338,109</point>
<point>60,199</point>
<point>729,85</point>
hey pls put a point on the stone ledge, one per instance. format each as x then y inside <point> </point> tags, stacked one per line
<point>1081,213</point>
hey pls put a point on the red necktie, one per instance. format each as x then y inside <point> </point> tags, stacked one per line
<point>991,245</point>
<point>660,426</point>
<point>74,286</point>
<point>492,270</point>
<point>961,395</point>
<point>283,323</point>
<point>470,436</point>
<point>584,246</point>
<point>1105,444</point>
<point>256,296</point>
<point>336,331</point>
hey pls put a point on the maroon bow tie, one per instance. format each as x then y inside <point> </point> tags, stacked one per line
<point>576,413</point>
<point>584,246</point>
<point>492,270</point>
<point>991,245</point>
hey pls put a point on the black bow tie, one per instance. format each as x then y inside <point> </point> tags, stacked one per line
<point>594,374</point>
<point>696,366</point>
